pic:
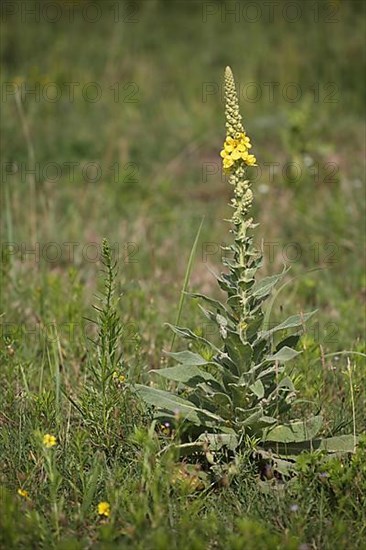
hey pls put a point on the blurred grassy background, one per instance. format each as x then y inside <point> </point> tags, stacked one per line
<point>155,134</point>
<point>164,130</point>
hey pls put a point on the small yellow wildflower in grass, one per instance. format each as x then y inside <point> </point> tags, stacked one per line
<point>119,378</point>
<point>23,493</point>
<point>166,428</point>
<point>49,441</point>
<point>104,509</point>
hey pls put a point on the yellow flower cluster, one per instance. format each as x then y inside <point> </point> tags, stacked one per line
<point>166,429</point>
<point>236,158</point>
<point>237,149</point>
<point>104,508</point>
<point>23,493</point>
<point>118,378</point>
<point>49,441</point>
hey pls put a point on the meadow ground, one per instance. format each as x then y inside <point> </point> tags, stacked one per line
<point>112,121</point>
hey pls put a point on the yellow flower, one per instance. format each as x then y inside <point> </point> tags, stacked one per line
<point>241,141</point>
<point>23,493</point>
<point>228,162</point>
<point>230,144</point>
<point>49,441</point>
<point>118,377</point>
<point>237,149</point>
<point>104,509</point>
<point>251,160</point>
<point>166,428</point>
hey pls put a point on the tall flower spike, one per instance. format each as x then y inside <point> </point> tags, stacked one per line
<point>235,153</point>
<point>236,158</point>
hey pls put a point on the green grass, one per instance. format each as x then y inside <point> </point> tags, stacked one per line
<point>150,213</point>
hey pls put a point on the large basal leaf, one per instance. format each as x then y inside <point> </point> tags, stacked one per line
<point>187,357</point>
<point>292,322</point>
<point>173,404</point>
<point>251,416</point>
<point>293,432</point>
<point>186,374</point>
<point>339,444</point>
<point>216,442</point>
<point>284,354</point>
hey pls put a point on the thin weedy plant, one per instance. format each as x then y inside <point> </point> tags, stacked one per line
<point>106,389</point>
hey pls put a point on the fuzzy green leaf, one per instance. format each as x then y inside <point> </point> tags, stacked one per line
<point>284,354</point>
<point>258,389</point>
<point>253,418</point>
<point>286,383</point>
<point>292,322</point>
<point>221,400</point>
<point>172,403</point>
<point>186,374</point>
<point>263,288</point>
<point>187,357</point>
<point>213,303</point>
<point>339,444</point>
<point>295,432</point>
<point>189,335</point>
<point>218,441</point>
<point>239,352</point>
<point>290,341</point>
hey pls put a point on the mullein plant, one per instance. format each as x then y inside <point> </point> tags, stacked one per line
<point>230,393</point>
